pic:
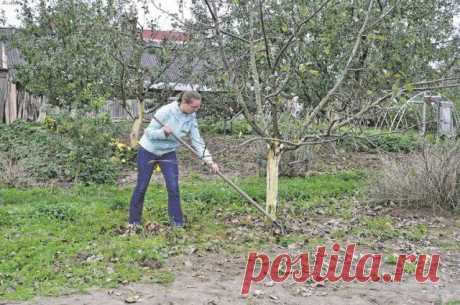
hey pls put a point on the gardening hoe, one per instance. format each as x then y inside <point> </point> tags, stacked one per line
<point>233,185</point>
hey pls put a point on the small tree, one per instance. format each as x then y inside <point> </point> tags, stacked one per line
<point>271,51</point>
<point>134,78</point>
<point>63,45</point>
<point>80,53</point>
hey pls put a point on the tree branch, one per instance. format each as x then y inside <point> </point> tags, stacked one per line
<point>381,99</point>
<point>296,32</point>
<point>253,65</point>
<point>383,15</point>
<point>212,11</point>
<point>325,100</point>
<point>204,25</point>
<point>267,46</point>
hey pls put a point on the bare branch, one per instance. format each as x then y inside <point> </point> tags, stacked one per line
<point>234,36</point>
<point>383,98</point>
<point>437,87</point>
<point>252,121</point>
<point>291,144</point>
<point>422,83</point>
<point>253,64</point>
<point>125,107</point>
<point>383,15</point>
<point>338,83</point>
<point>245,143</point>
<point>267,46</point>
<point>204,25</point>
<point>213,11</point>
<point>296,32</point>
<point>280,88</point>
<point>247,114</point>
<point>294,145</point>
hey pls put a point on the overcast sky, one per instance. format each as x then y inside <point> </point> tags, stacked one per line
<point>163,20</point>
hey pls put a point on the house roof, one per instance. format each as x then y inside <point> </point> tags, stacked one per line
<point>13,57</point>
<point>181,70</point>
<point>159,36</point>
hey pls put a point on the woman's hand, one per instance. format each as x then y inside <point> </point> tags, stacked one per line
<point>214,167</point>
<point>167,130</point>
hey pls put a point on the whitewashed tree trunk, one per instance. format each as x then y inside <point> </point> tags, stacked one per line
<point>273,161</point>
<point>136,129</point>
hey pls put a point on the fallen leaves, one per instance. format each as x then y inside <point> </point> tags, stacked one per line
<point>152,228</point>
<point>150,264</point>
<point>132,299</point>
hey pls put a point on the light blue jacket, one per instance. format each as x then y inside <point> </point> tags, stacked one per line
<point>155,141</point>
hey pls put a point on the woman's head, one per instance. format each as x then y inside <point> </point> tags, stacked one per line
<point>190,101</point>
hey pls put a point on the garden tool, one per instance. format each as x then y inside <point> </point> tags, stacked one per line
<point>233,185</point>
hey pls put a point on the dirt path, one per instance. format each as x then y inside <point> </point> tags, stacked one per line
<point>215,280</point>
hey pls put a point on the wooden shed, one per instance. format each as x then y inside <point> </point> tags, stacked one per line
<point>15,101</point>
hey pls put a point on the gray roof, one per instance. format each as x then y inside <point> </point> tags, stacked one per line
<point>12,54</point>
<point>183,71</point>
<point>151,61</point>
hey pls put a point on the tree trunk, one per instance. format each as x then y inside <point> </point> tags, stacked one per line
<point>273,160</point>
<point>136,129</point>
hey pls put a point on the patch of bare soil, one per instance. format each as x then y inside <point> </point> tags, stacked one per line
<point>216,280</point>
<point>214,276</point>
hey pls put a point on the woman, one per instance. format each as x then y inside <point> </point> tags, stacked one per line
<point>158,146</point>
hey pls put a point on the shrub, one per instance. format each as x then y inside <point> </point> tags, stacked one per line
<point>374,141</point>
<point>63,148</point>
<point>12,172</point>
<point>430,177</point>
<point>237,126</point>
<point>90,149</point>
<point>122,153</point>
<point>29,148</point>
<point>60,212</point>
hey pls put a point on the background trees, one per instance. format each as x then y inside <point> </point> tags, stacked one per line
<point>81,53</point>
<point>66,51</point>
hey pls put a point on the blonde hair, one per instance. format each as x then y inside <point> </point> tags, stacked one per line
<point>188,96</point>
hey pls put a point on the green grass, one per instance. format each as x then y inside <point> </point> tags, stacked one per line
<point>57,240</point>
<point>409,267</point>
<point>375,140</point>
<point>416,233</point>
<point>382,228</point>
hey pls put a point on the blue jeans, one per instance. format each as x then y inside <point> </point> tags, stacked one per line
<point>170,170</point>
